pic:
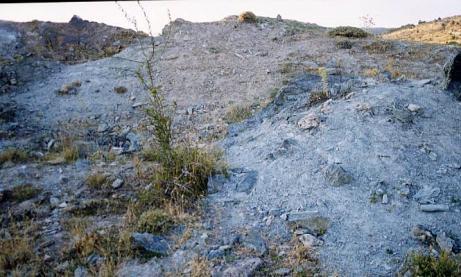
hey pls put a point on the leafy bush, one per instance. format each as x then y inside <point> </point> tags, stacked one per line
<point>349,32</point>
<point>247,17</point>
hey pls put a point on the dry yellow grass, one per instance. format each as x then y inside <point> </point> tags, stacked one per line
<point>445,31</point>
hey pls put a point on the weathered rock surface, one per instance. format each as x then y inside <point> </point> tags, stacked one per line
<point>313,182</point>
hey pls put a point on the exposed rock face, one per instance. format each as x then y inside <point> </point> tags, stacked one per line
<point>452,80</point>
<point>76,41</point>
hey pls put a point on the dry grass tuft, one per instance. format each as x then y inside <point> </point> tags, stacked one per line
<point>427,265</point>
<point>247,17</point>
<point>154,221</point>
<point>24,192</point>
<point>371,72</point>
<point>120,90</point>
<point>182,176</point>
<point>238,113</point>
<point>96,180</point>
<point>17,255</point>
<point>13,155</point>
<point>200,268</point>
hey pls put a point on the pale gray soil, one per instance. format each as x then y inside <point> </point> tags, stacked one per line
<point>276,168</point>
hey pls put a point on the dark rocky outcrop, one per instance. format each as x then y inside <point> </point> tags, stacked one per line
<point>452,71</point>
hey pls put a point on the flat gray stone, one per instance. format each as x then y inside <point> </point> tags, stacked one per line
<point>156,245</point>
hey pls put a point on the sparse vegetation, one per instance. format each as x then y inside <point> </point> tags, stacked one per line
<point>349,32</point>
<point>70,153</point>
<point>443,31</point>
<point>428,265</point>
<point>323,93</point>
<point>379,47</point>
<point>200,268</point>
<point>371,72</point>
<point>13,155</point>
<point>247,17</point>
<point>344,44</point>
<point>154,221</point>
<point>70,88</point>
<point>17,255</point>
<point>181,177</point>
<point>238,113</point>
<point>112,244</point>
<point>99,206</point>
<point>24,192</point>
<point>120,90</point>
<point>96,180</point>
<point>392,68</point>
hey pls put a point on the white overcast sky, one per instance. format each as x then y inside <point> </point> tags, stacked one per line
<point>386,13</point>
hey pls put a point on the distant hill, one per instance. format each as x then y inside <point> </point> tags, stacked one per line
<point>440,31</point>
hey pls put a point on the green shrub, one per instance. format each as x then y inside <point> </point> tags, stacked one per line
<point>247,17</point>
<point>182,175</point>
<point>427,265</point>
<point>347,31</point>
<point>154,221</point>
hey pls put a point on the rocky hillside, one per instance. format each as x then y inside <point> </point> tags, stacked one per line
<point>337,155</point>
<point>441,31</point>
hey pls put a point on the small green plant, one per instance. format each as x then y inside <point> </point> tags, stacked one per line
<point>183,176</point>
<point>427,265</point>
<point>247,17</point>
<point>182,172</point>
<point>154,221</point>
<point>13,155</point>
<point>349,32</point>
<point>325,85</point>
<point>374,198</point>
<point>322,94</point>
<point>24,192</point>
<point>238,113</point>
